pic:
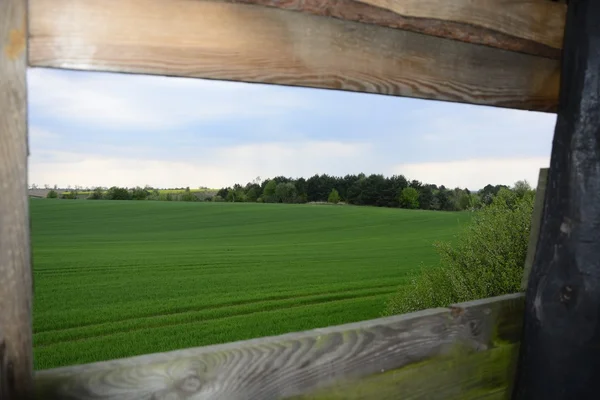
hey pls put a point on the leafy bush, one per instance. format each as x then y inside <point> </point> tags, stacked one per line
<point>188,196</point>
<point>117,193</point>
<point>97,194</point>
<point>486,260</point>
<point>409,198</point>
<point>139,193</point>
<point>52,195</point>
<point>334,197</point>
<point>69,196</point>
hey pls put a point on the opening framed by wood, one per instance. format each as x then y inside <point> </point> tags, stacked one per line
<point>491,52</point>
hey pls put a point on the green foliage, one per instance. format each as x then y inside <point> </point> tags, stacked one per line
<point>97,194</point>
<point>285,193</point>
<point>52,194</point>
<point>236,195</point>
<point>188,195</point>
<point>139,193</point>
<point>252,194</point>
<point>69,196</point>
<point>209,273</point>
<point>409,198</point>
<point>117,193</point>
<point>334,197</point>
<point>372,190</point>
<point>486,259</point>
<point>269,192</point>
<point>218,199</point>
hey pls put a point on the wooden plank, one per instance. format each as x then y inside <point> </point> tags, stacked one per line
<point>533,27</point>
<point>536,221</point>
<point>240,42</point>
<point>461,374</point>
<point>294,364</point>
<point>16,357</point>
<point>560,356</point>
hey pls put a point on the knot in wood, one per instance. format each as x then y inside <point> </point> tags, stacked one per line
<point>190,384</point>
<point>567,294</point>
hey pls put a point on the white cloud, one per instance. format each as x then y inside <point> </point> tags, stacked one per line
<point>220,167</point>
<point>476,173</point>
<point>40,134</point>
<point>150,102</point>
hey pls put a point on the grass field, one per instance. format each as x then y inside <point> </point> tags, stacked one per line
<point>116,279</point>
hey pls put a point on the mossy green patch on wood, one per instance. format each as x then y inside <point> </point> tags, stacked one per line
<point>460,374</point>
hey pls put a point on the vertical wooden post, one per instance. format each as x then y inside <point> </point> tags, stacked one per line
<point>16,361</point>
<point>536,222</point>
<point>560,348</point>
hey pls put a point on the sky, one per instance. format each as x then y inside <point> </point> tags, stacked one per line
<point>105,129</point>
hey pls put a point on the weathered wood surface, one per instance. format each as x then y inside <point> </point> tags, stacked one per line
<point>533,27</point>
<point>536,221</point>
<point>241,42</point>
<point>560,355</point>
<point>299,363</point>
<point>16,360</point>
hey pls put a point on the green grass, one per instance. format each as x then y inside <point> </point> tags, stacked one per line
<point>116,279</point>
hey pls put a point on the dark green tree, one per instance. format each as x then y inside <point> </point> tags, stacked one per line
<point>269,192</point>
<point>285,192</point>
<point>117,193</point>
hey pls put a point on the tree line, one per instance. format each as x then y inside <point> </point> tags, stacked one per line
<point>362,190</point>
<point>372,190</point>
<point>137,193</point>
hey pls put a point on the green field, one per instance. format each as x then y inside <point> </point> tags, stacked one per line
<point>116,279</point>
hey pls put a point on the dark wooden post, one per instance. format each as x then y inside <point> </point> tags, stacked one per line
<point>16,372</point>
<point>560,348</point>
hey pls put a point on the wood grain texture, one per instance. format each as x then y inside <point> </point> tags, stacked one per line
<point>294,364</point>
<point>460,374</point>
<point>560,355</point>
<point>536,221</point>
<point>533,27</point>
<point>240,42</point>
<point>16,359</point>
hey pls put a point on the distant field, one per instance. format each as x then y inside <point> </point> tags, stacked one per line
<point>82,194</point>
<point>116,279</point>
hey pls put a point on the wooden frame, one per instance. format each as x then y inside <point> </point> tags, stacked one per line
<point>16,359</point>
<point>503,56</point>
<point>490,52</point>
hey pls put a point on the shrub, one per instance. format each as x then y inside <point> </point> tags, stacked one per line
<point>487,258</point>
<point>409,198</point>
<point>117,193</point>
<point>334,197</point>
<point>97,194</point>
<point>52,195</point>
<point>68,196</point>
<point>188,196</point>
<point>139,193</point>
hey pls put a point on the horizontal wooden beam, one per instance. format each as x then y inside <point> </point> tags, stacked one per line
<point>250,43</point>
<point>532,27</point>
<point>321,362</point>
